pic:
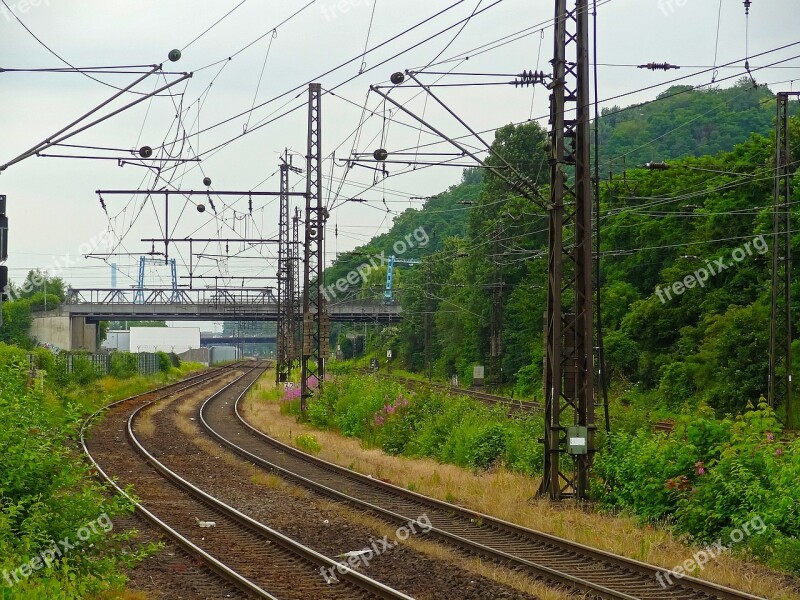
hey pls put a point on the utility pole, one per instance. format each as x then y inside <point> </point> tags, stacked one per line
<point>780,330</point>
<point>295,283</point>
<point>315,316</point>
<point>496,318</point>
<point>3,254</point>
<point>428,321</point>
<point>569,384</point>
<point>283,364</point>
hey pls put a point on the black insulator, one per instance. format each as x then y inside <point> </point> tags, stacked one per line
<point>658,66</point>
<point>529,78</point>
<point>747,7</point>
<point>174,55</point>
<point>211,204</point>
<point>380,154</point>
<point>201,208</point>
<point>657,166</point>
<point>398,78</point>
<point>145,152</point>
<point>207,181</point>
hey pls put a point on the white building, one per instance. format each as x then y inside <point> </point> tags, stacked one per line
<point>164,339</point>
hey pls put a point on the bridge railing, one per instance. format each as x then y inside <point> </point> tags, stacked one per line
<point>159,296</point>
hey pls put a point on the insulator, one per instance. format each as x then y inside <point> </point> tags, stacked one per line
<point>250,205</point>
<point>665,66</point>
<point>174,55</point>
<point>207,181</point>
<point>201,208</point>
<point>529,78</point>
<point>103,205</point>
<point>657,166</point>
<point>380,154</point>
<point>211,204</point>
<point>145,152</point>
<point>398,78</point>
<point>747,7</point>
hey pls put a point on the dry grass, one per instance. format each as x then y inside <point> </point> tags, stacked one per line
<point>132,595</point>
<point>511,497</point>
<point>507,577</point>
<point>145,426</point>
<point>188,408</point>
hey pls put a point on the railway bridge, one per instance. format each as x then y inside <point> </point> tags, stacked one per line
<point>74,326</point>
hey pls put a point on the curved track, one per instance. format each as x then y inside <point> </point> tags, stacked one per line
<point>586,570</point>
<point>257,559</point>
<point>490,399</point>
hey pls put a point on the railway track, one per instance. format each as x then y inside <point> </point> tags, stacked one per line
<point>260,561</point>
<point>585,570</point>
<point>490,399</point>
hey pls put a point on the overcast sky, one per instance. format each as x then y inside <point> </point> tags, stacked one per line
<point>54,211</point>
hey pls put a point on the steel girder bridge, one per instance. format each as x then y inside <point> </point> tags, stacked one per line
<point>213,304</point>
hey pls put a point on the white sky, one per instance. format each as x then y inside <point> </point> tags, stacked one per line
<point>52,205</point>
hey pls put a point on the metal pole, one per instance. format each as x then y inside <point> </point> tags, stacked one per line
<point>780,338</point>
<point>315,317</point>
<point>285,316</point>
<point>296,290</point>
<point>569,376</point>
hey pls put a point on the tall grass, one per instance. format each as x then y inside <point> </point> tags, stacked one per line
<point>426,423</point>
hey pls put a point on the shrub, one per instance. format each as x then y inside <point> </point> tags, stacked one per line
<point>124,365</point>
<point>164,362</point>
<point>83,369</point>
<point>48,495</point>
<point>427,423</point>
<point>709,477</point>
<point>308,443</point>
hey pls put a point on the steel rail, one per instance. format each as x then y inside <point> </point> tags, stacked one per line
<point>295,548</point>
<point>619,565</point>
<point>192,549</point>
<point>345,572</point>
<point>491,399</point>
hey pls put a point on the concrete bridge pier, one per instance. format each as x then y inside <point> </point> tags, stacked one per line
<point>64,331</point>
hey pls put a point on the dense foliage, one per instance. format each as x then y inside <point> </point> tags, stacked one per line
<point>47,495</point>
<point>708,478</point>
<point>460,431</point>
<point>684,122</point>
<point>38,292</point>
<point>704,345</point>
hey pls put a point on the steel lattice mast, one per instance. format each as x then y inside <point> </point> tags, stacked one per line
<point>285,333</point>
<point>297,291</point>
<point>569,386</point>
<point>780,332</point>
<point>315,317</point>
